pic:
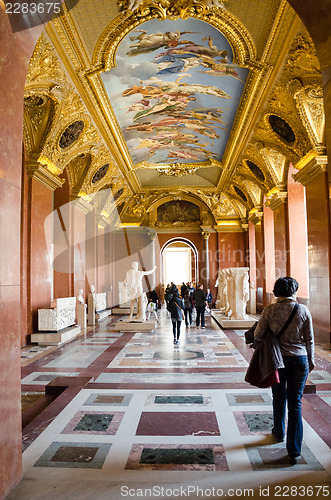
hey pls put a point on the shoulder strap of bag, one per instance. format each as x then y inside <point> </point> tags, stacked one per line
<point>178,306</point>
<point>181,310</point>
<point>293,313</point>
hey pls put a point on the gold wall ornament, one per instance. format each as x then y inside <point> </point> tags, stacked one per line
<point>142,5</point>
<point>302,57</point>
<point>310,105</point>
<point>275,161</point>
<point>44,64</point>
<point>177,169</point>
<point>138,204</point>
<point>39,112</point>
<point>253,190</point>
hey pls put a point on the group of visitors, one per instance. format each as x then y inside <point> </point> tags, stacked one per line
<point>181,305</point>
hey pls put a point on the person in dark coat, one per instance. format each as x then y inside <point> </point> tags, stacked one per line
<point>297,348</point>
<point>183,290</point>
<point>199,298</point>
<point>176,309</point>
<point>188,302</point>
<point>153,296</point>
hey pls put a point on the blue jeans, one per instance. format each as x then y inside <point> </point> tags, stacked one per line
<point>292,382</point>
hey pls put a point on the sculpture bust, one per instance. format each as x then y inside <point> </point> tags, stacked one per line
<point>80,296</point>
<point>134,290</point>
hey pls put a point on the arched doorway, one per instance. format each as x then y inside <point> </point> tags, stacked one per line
<point>179,261</point>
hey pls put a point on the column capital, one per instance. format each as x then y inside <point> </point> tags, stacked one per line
<point>255,215</point>
<point>205,235</point>
<point>277,197</point>
<point>42,174</point>
<point>314,167</point>
<point>152,235</point>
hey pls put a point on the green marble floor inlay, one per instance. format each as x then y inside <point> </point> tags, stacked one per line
<point>163,400</point>
<point>259,421</point>
<point>97,422</point>
<point>177,456</point>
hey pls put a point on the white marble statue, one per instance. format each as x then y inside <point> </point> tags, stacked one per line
<point>221,283</point>
<point>81,310</point>
<point>91,306</point>
<point>133,286</point>
<point>80,296</point>
<point>239,292</point>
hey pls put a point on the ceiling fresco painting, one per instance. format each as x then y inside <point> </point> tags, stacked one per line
<point>170,114</point>
<point>175,92</point>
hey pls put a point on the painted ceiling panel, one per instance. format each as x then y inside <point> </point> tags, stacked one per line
<point>175,91</point>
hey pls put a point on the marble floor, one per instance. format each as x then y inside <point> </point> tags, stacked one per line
<point>131,415</point>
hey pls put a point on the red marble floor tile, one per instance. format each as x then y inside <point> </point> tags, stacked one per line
<point>178,424</point>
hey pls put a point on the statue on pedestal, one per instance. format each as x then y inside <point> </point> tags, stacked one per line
<point>133,289</point>
<point>80,296</point>
<point>81,309</point>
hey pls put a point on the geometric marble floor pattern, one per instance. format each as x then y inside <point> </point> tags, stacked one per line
<point>158,420</point>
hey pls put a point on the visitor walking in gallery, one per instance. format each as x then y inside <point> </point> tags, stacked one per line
<point>297,348</point>
<point>176,309</point>
<point>199,298</point>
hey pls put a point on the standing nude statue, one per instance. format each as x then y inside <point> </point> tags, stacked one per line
<point>133,284</point>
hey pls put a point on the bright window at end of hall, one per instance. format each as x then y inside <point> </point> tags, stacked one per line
<point>177,265</point>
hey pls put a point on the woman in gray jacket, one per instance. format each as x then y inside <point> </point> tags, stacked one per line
<point>297,348</point>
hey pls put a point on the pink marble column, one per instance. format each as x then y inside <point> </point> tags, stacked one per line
<point>15,52</point>
<point>269,249</point>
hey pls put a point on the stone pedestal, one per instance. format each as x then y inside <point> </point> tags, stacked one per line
<point>125,326</point>
<point>81,315</point>
<point>91,308</point>
<point>56,338</point>
<point>123,310</point>
<point>99,316</point>
<point>230,324</point>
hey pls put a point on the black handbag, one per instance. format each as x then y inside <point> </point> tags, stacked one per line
<point>263,368</point>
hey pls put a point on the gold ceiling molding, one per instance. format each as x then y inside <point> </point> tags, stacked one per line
<point>310,105</point>
<point>275,161</point>
<point>219,204</point>
<point>302,58</point>
<point>39,111</point>
<point>240,208</point>
<point>44,64</point>
<point>254,191</point>
<point>190,5</point>
<point>178,169</point>
<point>258,87</point>
<point>47,77</point>
<point>104,56</point>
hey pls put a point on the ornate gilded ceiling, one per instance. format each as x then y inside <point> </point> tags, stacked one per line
<point>144,104</point>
